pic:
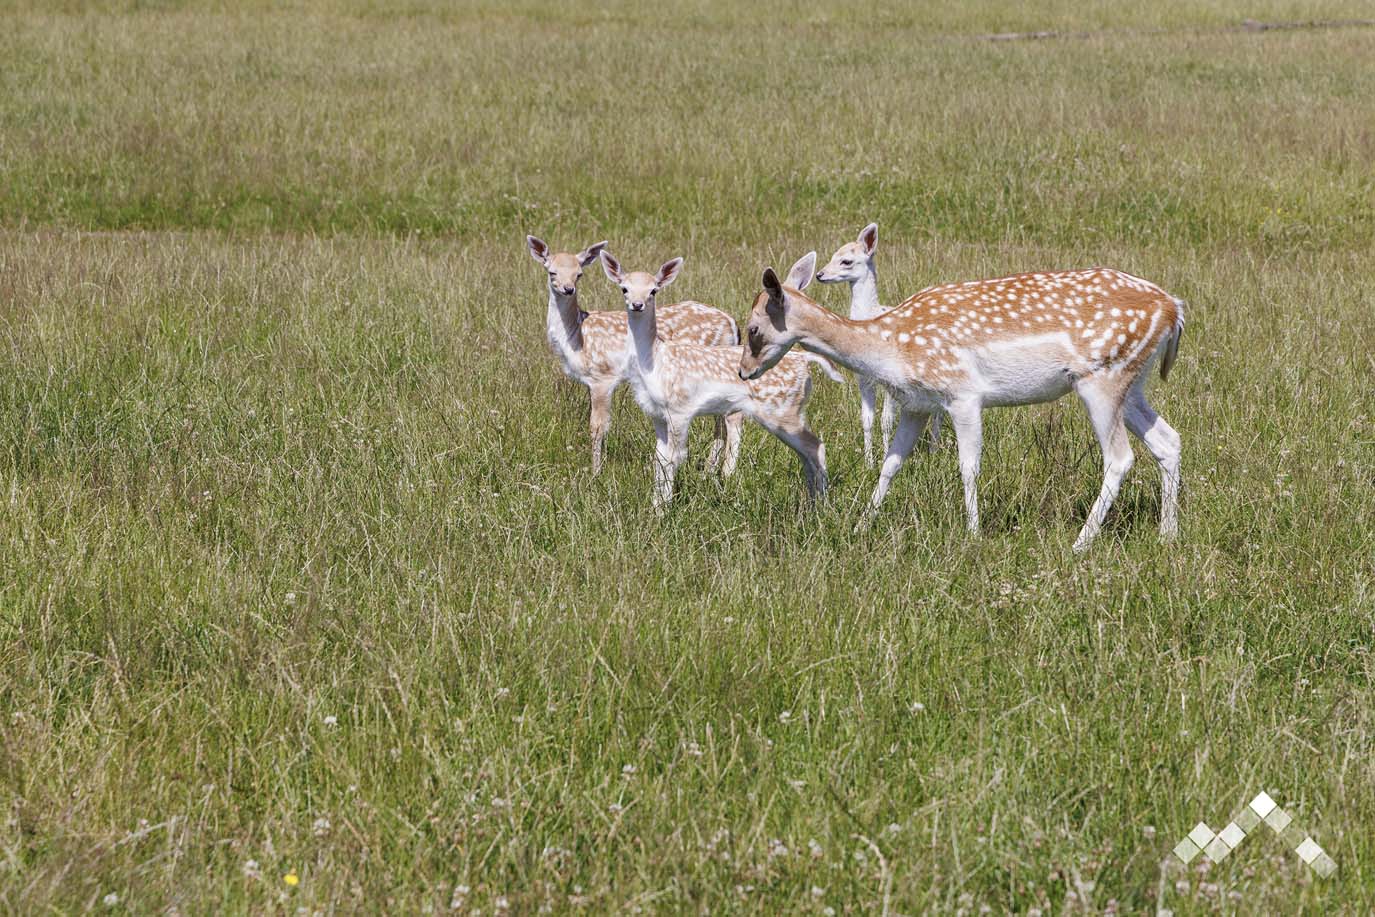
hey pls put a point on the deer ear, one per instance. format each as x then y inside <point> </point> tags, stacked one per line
<point>771,284</point>
<point>538,250</point>
<point>802,272</point>
<point>775,304</point>
<point>669,272</point>
<point>868,237</point>
<point>611,266</point>
<point>589,254</point>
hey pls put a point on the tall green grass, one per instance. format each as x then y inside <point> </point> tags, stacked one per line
<point>302,571</point>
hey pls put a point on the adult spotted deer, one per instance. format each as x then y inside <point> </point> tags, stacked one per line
<point>675,381</point>
<point>853,263</point>
<point>1015,340</point>
<point>591,346</point>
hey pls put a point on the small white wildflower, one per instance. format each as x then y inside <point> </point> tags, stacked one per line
<point>918,706</point>
<point>694,750</point>
<point>728,619</point>
<point>785,716</point>
<point>861,856</point>
<point>628,771</point>
<point>500,803</point>
<point>829,911</point>
<point>1182,887</point>
<point>320,827</point>
<point>501,903</point>
<point>331,720</point>
<point>894,828</point>
<point>777,848</point>
<point>815,849</point>
<point>818,891</point>
<point>1149,831</point>
<point>290,598</point>
<point>615,808</point>
<point>252,870</point>
<point>503,692</point>
<point>111,899</point>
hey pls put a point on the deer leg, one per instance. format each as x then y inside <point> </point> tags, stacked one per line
<point>718,443</point>
<point>933,429</point>
<point>1105,406</point>
<point>904,438</point>
<point>811,452</point>
<point>734,426</point>
<point>1163,441</point>
<point>673,453</point>
<point>967,419</point>
<point>600,422</point>
<point>661,492</point>
<point>867,397</point>
<point>887,418</point>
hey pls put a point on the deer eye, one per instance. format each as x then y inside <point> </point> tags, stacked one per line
<point>846,263</point>
<point>625,289</point>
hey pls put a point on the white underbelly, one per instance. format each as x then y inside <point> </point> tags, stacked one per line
<point>1028,371</point>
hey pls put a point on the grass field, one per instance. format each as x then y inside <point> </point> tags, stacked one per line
<point>308,601</point>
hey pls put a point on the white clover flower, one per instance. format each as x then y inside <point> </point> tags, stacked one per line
<point>777,848</point>
<point>320,827</point>
<point>818,891</point>
<point>252,870</point>
<point>111,899</point>
<point>918,706</point>
<point>785,717</point>
<point>628,771</point>
<point>615,808</point>
<point>331,720</point>
<point>290,598</point>
<point>815,849</point>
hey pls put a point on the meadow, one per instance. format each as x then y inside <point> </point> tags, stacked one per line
<point>309,604</point>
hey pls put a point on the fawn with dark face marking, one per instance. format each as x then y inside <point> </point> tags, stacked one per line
<point>676,381</point>
<point>591,346</point>
<point>1024,339</point>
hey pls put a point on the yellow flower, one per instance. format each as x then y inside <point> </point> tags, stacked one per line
<point>291,879</point>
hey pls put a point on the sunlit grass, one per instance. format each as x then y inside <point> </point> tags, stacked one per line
<point>307,598</point>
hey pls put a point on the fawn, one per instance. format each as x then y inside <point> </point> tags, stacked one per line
<point>675,381</point>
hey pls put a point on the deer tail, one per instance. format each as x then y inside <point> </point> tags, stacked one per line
<point>1172,341</point>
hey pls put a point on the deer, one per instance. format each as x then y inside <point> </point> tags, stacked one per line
<point>675,381</point>
<point>1022,339</point>
<point>853,263</point>
<point>591,346</point>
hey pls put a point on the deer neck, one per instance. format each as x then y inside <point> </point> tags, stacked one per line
<point>864,295</point>
<point>642,330</point>
<point>849,343</point>
<point>565,323</point>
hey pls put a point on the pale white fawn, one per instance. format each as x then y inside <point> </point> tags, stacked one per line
<point>853,263</point>
<point>674,381</point>
<point>1023,339</point>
